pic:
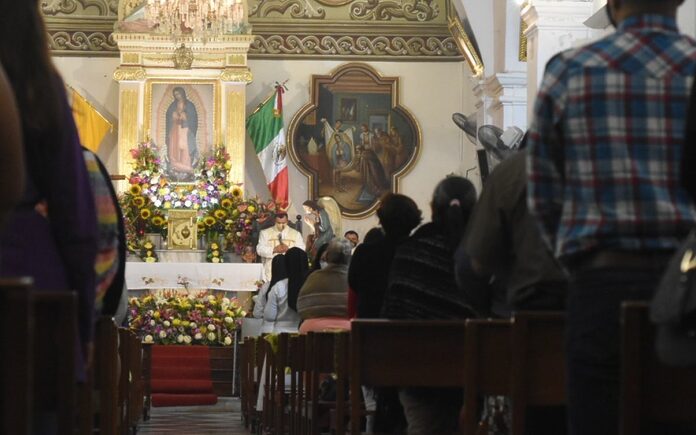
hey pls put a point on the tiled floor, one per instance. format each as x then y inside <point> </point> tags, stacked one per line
<point>223,418</point>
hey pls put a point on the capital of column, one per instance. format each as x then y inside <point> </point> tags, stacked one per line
<point>556,14</point>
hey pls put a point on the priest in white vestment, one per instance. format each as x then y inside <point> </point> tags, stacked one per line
<point>276,240</point>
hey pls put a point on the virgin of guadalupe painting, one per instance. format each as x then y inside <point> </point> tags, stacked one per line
<point>182,117</point>
<point>353,139</point>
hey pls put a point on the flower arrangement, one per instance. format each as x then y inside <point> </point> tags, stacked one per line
<point>223,211</point>
<point>214,254</point>
<point>168,318</point>
<point>147,252</point>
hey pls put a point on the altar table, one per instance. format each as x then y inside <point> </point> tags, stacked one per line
<point>238,277</point>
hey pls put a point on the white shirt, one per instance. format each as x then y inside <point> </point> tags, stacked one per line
<point>268,240</point>
<point>277,315</point>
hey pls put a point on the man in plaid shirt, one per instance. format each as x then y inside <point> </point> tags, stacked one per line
<point>604,152</point>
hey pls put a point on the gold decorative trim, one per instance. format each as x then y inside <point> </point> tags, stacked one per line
<point>236,75</point>
<point>129,74</point>
<point>159,58</point>
<point>68,7</point>
<point>183,57</point>
<point>523,41</point>
<point>127,128</point>
<point>355,45</point>
<point>236,59</point>
<point>465,46</point>
<point>298,9</point>
<point>414,10</point>
<point>235,131</point>
<point>82,42</point>
<point>130,58</point>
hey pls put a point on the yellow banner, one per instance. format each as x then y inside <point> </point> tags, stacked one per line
<point>91,125</point>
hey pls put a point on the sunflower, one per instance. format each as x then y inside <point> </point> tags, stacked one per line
<point>220,214</point>
<point>158,221</point>
<point>237,192</point>
<point>135,189</point>
<point>201,226</point>
<point>226,203</point>
<point>209,220</point>
<point>145,213</point>
<point>139,201</point>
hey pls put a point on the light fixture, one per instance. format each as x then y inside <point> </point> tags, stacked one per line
<point>201,19</point>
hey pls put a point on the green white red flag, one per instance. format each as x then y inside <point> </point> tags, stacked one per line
<point>267,133</point>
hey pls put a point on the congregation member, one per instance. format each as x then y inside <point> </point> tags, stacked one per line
<point>375,235</point>
<point>280,313</point>
<point>319,260</point>
<point>503,241</point>
<point>51,235</point>
<point>353,236</point>
<point>323,299</point>
<point>12,162</point>
<point>278,273</point>
<point>688,162</point>
<point>368,273</point>
<point>604,169</point>
<point>277,240</point>
<point>422,286</point>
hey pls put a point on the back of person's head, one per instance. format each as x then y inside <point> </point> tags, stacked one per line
<point>453,200</point>
<point>278,270</point>
<point>297,267</point>
<point>398,214</point>
<point>27,62</point>
<point>316,264</point>
<point>374,235</point>
<point>338,251</point>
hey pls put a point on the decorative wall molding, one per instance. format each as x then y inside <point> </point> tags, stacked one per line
<point>353,45</point>
<point>339,29</point>
<point>236,75</point>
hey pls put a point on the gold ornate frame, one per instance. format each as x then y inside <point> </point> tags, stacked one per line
<point>310,108</point>
<point>147,121</point>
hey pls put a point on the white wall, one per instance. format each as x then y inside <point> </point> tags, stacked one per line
<point>431,91</point>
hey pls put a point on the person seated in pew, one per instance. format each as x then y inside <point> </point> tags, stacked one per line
<point>280,312</point>
<point>323,299</point>
<point>422,286</point>
<point>12,163</point>
<point>278,273</point>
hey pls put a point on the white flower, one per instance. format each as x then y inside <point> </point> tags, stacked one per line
<point>166,323</point>
<point>187,339</point>
<point>167,191</point>
<point>210,313</point>
<point>162,334</point>
<point>180,339</point>
<point>215,260</point>
<point>157,203</point>
<point>150,312</point>
<point>198,336</point>
<point>214,200</point>
<point>191,297</point>
<point>210,187</point>
<point>228,341</point>
<point>148,339</point>
<point>188,203</point>
<point>204,204</point>
<point>152,323</point>
<point>153,198</point>
<point>228,319</point>
<point>177,203</point>
<point>211,327</point>
<point>193,325</point>
<point>211,336</point>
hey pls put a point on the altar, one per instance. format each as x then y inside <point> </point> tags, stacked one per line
<point>228,277</point>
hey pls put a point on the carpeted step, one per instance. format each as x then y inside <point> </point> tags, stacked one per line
<point>197,372</point>
<point>162,399</point>
<point>180,361</point>
<point>183,386</point>
<point>180,351</point>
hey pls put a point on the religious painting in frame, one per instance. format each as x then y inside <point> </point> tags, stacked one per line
<point>354,140</point>
<point>183,119</point>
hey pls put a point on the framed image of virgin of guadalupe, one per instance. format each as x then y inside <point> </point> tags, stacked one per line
<point>353,140</point>
<point>182,118</point>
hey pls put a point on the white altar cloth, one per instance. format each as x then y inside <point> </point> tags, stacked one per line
<point>239,277</point>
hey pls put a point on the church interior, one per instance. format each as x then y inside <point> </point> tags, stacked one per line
<point>233,132</point>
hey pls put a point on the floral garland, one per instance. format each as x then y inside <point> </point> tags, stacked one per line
<point>169,318</point>
<point>223,215</point>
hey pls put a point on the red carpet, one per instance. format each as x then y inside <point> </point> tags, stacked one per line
<point>181,376</point>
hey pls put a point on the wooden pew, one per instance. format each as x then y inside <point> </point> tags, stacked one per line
<point>391,353</point>
<point>296,362</point>
<point>54,348</point>
<point>106,375</point>
<point>17,336</point>
<point>245,378</point>
<point>521,358</point>
<point>136,390</point>
<point>124,350</point>
<point>651,392</point>
<point>147,377</point>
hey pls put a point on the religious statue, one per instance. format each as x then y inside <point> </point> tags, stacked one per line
<point>320,226</point>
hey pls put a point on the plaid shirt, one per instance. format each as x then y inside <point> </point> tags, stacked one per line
<point>606,141</point>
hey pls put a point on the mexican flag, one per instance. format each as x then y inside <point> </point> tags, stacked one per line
<point>267,133</point>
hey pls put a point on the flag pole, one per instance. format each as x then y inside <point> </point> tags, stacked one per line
<point>272,94</point>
